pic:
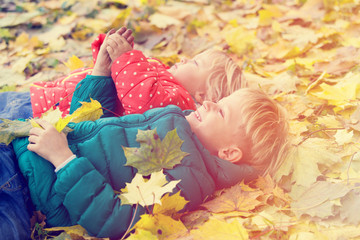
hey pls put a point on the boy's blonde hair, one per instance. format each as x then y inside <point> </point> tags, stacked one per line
<point>265,127</point>
<point>225,76</point>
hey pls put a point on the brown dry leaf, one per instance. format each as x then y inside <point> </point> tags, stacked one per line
<point>234,199</point>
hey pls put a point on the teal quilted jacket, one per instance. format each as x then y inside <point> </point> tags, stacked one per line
<point>82,192</point>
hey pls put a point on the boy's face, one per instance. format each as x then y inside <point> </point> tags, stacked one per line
<point>192,74</point>
<point>218,125</point>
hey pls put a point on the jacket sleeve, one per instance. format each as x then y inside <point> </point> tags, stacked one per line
<point>99,88</point>
<point>45,95</point>
<point>91,200</point>
<point>40,177</point>
<point>142,84</point>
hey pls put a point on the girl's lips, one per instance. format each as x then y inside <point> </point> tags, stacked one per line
<point>197,115</point>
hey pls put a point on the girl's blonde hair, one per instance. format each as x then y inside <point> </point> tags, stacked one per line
<point>225,76</point>
<point>264,123</point>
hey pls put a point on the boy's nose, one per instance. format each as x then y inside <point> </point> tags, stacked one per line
<point>208,105</point>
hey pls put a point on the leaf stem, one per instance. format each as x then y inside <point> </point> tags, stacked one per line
<point>309,135</point>
<point>348,168</point>
<point>65,97</point>
<point>143,199</point>
<point>262,233</point>
<point>132,220</point>
<point>111,111</point>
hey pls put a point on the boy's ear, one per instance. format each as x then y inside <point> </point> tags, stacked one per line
<point>232,154</point>
<point>199,96</point>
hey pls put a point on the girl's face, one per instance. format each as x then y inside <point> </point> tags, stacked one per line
<point>192,75</point>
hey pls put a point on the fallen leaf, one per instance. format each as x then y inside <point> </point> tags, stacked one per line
<point>9,130</point>
<point>160,225</point>
<point>170,205</point>
<point>316,200</point>
<point>215,229</point>
<point>154,154</point>
<point>234,199</point>
<point>148,192</point>
<point>74,63</point>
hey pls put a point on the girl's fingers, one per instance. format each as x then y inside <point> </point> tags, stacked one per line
<point>109,49</point>
<point>130,40</point>
<point>36,131</point>
<point>121,30</point>
<point>33,139</point>
<point>119,40</point>
<point>112,43</point>
<point>127,33</point>
<point>112,31</point>
<point>44,124</point>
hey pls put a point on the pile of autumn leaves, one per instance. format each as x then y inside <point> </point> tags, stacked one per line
<point>305,54</point>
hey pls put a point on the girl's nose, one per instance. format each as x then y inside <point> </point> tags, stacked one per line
<point>183,60</point>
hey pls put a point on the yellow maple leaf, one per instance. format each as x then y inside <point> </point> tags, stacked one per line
<point>160,225</point>
<point>266,15</point>
<point>89,111</point>
<point>239,39</point>
<point>170,204</point>
<point>342,94</point>
<point>303,161</point>
<point>141,234</point>
<point>234,199</point>
<point>74,63</point>
<point>148,192</point>
<point>215,229</point>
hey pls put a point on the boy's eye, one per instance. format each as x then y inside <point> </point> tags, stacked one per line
<point>195,62</point>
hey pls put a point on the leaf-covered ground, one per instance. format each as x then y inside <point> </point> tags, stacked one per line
<point>303,53</point>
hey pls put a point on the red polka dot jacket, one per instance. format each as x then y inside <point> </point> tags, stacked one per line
<point>141,83</point>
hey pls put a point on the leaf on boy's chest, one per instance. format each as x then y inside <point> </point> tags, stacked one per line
<point>154,154</point>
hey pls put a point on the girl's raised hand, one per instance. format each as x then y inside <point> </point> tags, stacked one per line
<point>48,143</point>
<point>103,61</point>
<point>118,44</point>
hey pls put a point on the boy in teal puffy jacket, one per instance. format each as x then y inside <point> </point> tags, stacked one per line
<point>72,178</point>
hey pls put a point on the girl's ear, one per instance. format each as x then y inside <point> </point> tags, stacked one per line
<point>199,96</point>
<point>232,154</point>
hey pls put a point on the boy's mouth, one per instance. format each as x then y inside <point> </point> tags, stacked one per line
<point>197,115</point>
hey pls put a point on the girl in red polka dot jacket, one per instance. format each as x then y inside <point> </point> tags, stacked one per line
<point>143,83</point>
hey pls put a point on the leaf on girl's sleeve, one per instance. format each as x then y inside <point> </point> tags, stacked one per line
<point>89,111</point>
<point>154,154</point>
<point>148,192</point>
<point>11,129</point>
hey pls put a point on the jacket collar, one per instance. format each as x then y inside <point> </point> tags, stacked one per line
<point>225,173</point>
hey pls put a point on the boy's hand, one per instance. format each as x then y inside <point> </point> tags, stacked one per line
<point>103,62</point>
<point>48,143</point>
<point>118,44</point>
